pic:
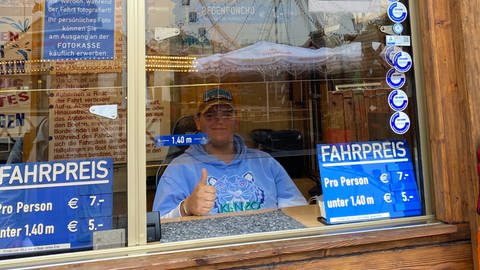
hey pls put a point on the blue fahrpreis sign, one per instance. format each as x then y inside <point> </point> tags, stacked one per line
<point>54,205</point>
<point>367,180</point>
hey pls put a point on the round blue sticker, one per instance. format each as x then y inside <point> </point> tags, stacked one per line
<point>390,52</point>
<point>397,12</point>
<point>398,100</point>
<point>402,61</point>
<point>397,28</point>
<point>395,79</point>
<point>400,123</point>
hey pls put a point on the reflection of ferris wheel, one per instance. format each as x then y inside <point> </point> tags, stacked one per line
<point>234,23</point>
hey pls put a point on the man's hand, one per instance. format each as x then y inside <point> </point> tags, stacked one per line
<point>202,199</point>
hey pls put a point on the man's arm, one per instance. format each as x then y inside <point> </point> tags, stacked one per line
<point>172,189</point>
<point>174,199</point>
<point>287,192</point>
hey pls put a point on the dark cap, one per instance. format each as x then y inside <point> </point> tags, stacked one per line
<point>215,96</point>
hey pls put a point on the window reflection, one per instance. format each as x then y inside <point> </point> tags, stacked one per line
<point>303,73</point>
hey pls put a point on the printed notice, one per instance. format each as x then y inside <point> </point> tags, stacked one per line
<point>78,133</point>
<point>75,132</point>
<point>366,181</point>
<point>79,30</point>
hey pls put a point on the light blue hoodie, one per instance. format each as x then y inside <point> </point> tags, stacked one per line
<point>253,180</point>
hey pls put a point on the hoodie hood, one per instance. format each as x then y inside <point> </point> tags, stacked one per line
<point>198,152</point>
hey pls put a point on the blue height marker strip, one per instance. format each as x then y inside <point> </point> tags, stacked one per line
<point>182,139</point>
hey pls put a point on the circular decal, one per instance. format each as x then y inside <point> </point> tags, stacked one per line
<point>398,100</point>
<point>402,61</point>
<point>397,12</point>
<point>390,52</point>
<point>395,79</point>
<point>400,122</point>
<point>398,28</point>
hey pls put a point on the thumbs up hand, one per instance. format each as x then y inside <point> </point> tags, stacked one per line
<point>202,199</point>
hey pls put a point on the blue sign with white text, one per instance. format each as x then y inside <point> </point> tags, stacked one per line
<point>79,30</point>
<point>367,180</point>
<point>54,205</point>
<point>181,139</point>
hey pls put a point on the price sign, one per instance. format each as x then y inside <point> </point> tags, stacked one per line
<point>54,205</point>
<point>366,181</point>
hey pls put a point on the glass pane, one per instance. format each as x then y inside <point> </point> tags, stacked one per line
<point>322,96</point>
<point>62,127</point>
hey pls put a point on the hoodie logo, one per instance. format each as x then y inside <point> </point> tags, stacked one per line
<point>237,193</point>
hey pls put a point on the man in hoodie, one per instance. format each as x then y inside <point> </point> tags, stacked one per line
<point>223,175</point>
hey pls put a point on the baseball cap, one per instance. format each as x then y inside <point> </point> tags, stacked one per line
<point>215,96</point>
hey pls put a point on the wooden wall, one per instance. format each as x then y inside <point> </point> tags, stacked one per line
<point>446,99</point>
<point>433,247</point>
<point>470,26</point>
<point>451,61</point>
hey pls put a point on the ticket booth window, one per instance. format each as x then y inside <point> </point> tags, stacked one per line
<point>262,118</point>
<point>324,88</point>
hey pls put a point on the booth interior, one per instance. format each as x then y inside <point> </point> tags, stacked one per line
<point>285,114</point>
<point>289,98</point>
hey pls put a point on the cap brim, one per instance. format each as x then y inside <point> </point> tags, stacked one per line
<point>205,106</point>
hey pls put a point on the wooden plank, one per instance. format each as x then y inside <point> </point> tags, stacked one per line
<point>378,114</point>
<point>312,248</point>
<point>361,120</point>
<point>445,97</point>
<point>431,257</point>
<point>452,256</point>
<point>372,110</point>
<point>469,29</point>
<point>452,84</point>
<point>335,122</point>
<point>349,116</point>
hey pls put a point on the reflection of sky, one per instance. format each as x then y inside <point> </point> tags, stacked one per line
<point>238,23</point>
<point>358,6</point>
<point>248,21</point>
<point>245,21</point>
